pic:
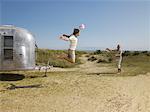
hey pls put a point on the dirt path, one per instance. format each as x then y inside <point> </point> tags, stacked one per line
<point>77,91</point>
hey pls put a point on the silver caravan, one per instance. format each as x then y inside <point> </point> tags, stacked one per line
<point>17,48</point>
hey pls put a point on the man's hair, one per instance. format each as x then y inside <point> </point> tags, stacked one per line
<point>118,47</point>
<point>75,31</point>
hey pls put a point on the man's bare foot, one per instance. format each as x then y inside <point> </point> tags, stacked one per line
<point>119,71</point>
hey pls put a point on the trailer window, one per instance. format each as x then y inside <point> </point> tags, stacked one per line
<point>8,41</point>
<point>8,54</point>
<point>8,47</point>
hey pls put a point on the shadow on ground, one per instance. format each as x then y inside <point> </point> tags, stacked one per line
<point>11,77</point>
<point>103,73</point>
<point>113,74</point>
<point>12,86</point>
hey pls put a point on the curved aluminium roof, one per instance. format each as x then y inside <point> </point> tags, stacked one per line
<point>14,27</point>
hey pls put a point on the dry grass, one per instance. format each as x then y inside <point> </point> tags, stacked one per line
<point>52,57</point>
<point>89,87</point>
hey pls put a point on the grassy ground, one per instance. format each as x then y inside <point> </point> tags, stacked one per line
<point>133,63</point>
<point>86,87</point>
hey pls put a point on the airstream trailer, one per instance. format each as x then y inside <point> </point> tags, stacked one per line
<point>17,48</point>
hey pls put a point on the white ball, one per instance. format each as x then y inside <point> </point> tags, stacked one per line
<point>82,26</point>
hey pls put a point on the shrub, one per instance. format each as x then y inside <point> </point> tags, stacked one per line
<point>92,58</point>
<point>108,60</point>
<point>98,52</point>
<point>148,54</point>
<point>144,52</point>
<point>126,53</point>
<point>102,61</point>
<point>87,56</point>
<point>135,53</point>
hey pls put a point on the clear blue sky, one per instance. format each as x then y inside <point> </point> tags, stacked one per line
<point>107,22</point>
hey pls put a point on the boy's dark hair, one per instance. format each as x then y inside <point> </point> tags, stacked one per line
<point>75,31</point>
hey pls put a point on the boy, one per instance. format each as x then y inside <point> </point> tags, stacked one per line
<point>118,55</point>
<point>73,44</point>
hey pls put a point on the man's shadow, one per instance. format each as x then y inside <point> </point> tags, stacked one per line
<point>104,73</point>
<point>112,74</point>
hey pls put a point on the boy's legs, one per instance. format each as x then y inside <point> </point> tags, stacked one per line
<point>71,55</point>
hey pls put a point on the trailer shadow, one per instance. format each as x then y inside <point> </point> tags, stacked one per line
<point>11,77</point>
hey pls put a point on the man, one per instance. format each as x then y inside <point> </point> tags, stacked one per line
<point>73,44</point>
<point>118,56</point>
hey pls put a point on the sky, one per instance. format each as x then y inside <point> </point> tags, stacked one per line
<point>108,23</point>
